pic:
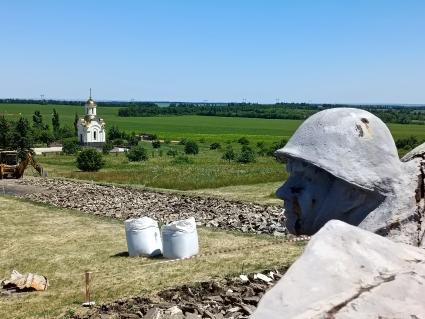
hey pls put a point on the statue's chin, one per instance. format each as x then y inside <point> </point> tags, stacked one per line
<point>298,230</point>
<point>292,223</point>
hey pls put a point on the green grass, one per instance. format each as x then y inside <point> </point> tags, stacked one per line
<point>197,127</point>
<point>63,244</point>
<point>262,193</point>
<point>168,127</point>
<point>208,170</point>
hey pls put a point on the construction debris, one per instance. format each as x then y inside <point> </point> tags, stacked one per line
<point>229,298</point>
<point>25,282</point>
<point>129,202</point>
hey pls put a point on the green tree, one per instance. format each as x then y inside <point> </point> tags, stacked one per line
<point>22,138</point>
<point>133,139</point>
<point>156,144</point>
<point>107,147</point>
<point>4,133</point>
<point>114,133</point>
<point>191,147</point>
<point>90,160</point>
<point>229,154</point>
<point>70,147</point>
<point>276,146</point>
<point>46,137</point>
<point>243,141</point>
<point>247,155</point>
<point>215,146</point>
<point>66,131</point>
<point>55,123</point>
<point>37,120</point>
<point>76,119</point>
<point>137,153</point>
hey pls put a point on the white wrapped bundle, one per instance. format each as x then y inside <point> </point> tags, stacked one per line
<point>180,239</point>
<point>143,237</point>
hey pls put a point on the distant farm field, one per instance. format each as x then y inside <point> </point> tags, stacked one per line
<point>168,127</point>
<point>197,127</point>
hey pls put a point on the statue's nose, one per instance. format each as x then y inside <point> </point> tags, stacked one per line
<point>284,191</point>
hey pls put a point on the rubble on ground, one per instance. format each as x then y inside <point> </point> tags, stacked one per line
<point>24,282</point>
<point>128,202</point>
<point>348,272</point>
<point>228,298</point>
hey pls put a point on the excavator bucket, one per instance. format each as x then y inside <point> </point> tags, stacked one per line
<point>10,167</point>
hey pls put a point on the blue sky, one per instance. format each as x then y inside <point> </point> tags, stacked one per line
<point>219,50</point>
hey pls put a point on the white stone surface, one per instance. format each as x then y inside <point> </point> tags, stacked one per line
<point>41,150</point>
<point>347,272</point>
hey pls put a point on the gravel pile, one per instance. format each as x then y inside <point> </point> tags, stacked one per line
<point>127,202</point>
<point>230,298</point>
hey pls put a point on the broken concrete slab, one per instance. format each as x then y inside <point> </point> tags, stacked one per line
<point>25,282</point>
<point>347,272</point>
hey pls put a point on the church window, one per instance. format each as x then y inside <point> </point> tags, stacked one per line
<point>94,135</point>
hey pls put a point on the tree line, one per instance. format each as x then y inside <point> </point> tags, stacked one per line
<point>294,111</point>
<point>21,134</point>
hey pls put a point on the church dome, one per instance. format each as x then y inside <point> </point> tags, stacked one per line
<point>91,103</point>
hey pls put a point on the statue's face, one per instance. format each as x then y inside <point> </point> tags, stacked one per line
<point>303,194</point>
<point>312,197</point>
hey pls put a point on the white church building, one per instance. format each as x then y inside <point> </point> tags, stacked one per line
<point>91,128</point>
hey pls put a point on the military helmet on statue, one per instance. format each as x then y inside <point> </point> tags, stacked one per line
<point>351,144</point>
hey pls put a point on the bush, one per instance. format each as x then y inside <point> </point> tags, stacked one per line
<point>107,147</point>
<point>133,140</point>
<point>183,141</point>
<point>243,141</point>
<point>182,159</point>
<point>276,146</point>
<point>247,155</point>
<point>156,144</point>
<point>90,160</point>
<point>70,147</point>
<point>407,143</point>
<point>137,153</point>
<point>215,146</point>
<point>261,144</point>
<point>172,152</point>
<point>262,149</point>
<point>191,148</point>
<point>229,154</point>
<point>119,142</point>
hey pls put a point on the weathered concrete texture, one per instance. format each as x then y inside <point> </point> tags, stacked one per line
<point>347,272</point>
<point>127,202</point>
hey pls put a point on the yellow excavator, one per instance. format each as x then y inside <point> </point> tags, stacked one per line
<point>11,167</point>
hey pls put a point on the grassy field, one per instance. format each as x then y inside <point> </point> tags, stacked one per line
<point>197,127</point>
<point>63,244</point>
<point>168,127</point>
<point>208,170</point>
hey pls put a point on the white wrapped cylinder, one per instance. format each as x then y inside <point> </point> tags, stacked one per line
<point>180,239</point>
<point>143,237</point>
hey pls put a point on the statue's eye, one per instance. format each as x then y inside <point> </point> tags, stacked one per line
<point>296,190</point>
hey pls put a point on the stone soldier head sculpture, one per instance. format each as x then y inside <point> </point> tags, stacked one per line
<point>343,164</point>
